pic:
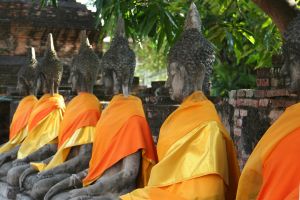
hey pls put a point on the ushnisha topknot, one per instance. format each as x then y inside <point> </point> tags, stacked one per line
<point>192,20</point>
<point>119,61</point>
<point>193,51</point>
<point>50,69</point>
<point>85,66</point>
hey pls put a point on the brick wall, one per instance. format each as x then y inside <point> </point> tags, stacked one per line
<point>253,113</point>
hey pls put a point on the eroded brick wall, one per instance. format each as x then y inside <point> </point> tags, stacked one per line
<point>254,111</point>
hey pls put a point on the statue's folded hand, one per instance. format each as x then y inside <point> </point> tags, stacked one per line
<point>79,192</point>
<point>25,174</point>
<point>19,162</point>
<point>45,174</point>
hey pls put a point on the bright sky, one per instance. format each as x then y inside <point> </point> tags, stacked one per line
<point>92,8</point>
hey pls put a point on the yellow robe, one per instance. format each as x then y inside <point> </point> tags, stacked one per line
<point>77,127</point>
<point>251,180</point>
<point>196,156</point>
<point>19,125</point>
<point>44,123</point>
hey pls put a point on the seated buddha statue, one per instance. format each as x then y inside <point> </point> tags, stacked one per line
<point>196,156</point>
<point>44,120</point>
<point>77,129</point>
<point>123,150</point>
<point>19,125</point>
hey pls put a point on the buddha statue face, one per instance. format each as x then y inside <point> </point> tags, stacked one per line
<point>181,83</point>
<point>291,72</point>
<point>176,81</point>
<point>190,60</point>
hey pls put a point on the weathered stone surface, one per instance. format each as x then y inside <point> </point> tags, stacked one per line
<point>8,192</point>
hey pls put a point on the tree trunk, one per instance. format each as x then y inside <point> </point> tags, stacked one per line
<point>280,11</point>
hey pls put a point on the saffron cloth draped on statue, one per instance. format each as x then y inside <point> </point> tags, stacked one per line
<point>273,169</point>
<point>77,127</point>
<point>43,124</point>
<point>121,131</point>
<point>18,128</point>
<point>196,156</point>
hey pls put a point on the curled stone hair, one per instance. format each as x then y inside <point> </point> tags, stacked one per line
<point>50,69</point>
<point>85,65</point>
<point>120,59</point>
<point>291,37</point>
<point>193,51</point>
<point>27,73</point>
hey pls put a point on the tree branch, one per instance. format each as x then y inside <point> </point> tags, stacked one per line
<point>280,11</point>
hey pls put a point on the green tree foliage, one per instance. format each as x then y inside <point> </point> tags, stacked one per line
<point>243,36</point>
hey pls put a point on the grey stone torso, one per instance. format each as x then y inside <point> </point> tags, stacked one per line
<point>117,180</point>
<point>36,185</point>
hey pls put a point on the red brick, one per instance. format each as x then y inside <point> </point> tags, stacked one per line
<point>243,113</point>
<point>247,102</point>
<point>277,93</point>
<point>263,82</point>
<point>263,102</point>
<point>259,93</point>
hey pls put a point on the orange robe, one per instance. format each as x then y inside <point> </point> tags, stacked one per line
<point>43,124</point>
<point>273,169</point>
<point>197,159</point>
<point>18,128</point>
<point>121,131</point>
<point>77,127</point>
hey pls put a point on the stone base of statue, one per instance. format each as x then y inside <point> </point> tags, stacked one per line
<point>7,191</point>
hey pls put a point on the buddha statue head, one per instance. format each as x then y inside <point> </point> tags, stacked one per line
<point>26,74</point>
<point>85,66</point>
<point>190,60</point>
<point>49,70</point>
<point>291,52</point>
<point>118,63</point>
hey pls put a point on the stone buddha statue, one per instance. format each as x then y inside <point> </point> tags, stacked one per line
<point>117,161</point>
<point>44,120</point>
<point>77,129</point>
<point>196,157</point>
<point>18,128</point>
<point>190,60</point>
<point>291,45</point>
<point>118,63</point>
